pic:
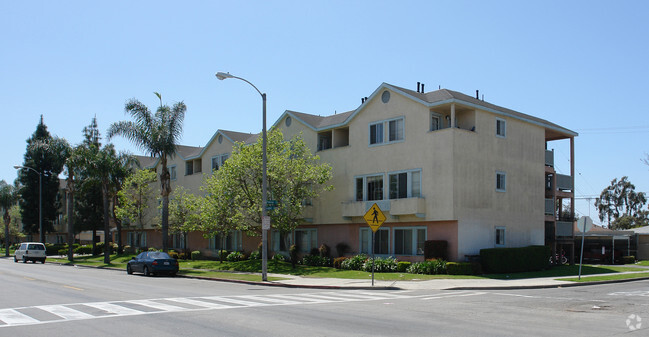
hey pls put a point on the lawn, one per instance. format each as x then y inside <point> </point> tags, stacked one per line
<point>250,269</point>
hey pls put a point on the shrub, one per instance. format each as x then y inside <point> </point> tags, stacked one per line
<point>85,249</point>
<point>628,259</point>
<point>129,250</point>
<point>53,249</point>
<point>338,261</point>
<point>279,257</point>
<point>314,251</point>
<point>63,252</point>
<point>292,251</point>
<point>196,255</point>
<point>255,255</point>
<point>381,265</point>
<point>235,256</point>
<point>174,254</point>
<point>223,254</point>
<point>342,248</point>
<point>512,260</point>
<point>430,267</point>
<point>435,249</point>
<point>324,250</point>
<point>354,263</point>
<point>402,266</point>
<point>153,249</point>
<point>316,261</point>
<point>460,268</point>
<point>182,256</point>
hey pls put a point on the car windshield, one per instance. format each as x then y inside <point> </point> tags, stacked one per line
<point>36,247</point>
<point>159,255</point>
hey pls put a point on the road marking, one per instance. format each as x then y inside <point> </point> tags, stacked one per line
<point>451,296</point>
<point>73,311</point>
<point>71,287</point>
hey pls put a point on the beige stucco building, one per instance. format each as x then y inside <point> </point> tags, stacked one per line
<point>441,165</point>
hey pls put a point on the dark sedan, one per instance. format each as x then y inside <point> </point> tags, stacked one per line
<point>152,263</point>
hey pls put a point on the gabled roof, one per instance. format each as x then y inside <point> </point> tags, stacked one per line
<point>241,137</point>
<point>146,161</point>
<point>429,99</point>
<point>186,152</point>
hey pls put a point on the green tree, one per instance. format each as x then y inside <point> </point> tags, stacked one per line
<point>14,225</point>
<point>184,213</point>
<point>8,198</point>
<point>134,198</point>
<point>157,134</point>
<point>621,205</point>
<point>43,154</point>
<point>295,177</point>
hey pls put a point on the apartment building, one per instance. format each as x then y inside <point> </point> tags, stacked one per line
<point>441,165</point>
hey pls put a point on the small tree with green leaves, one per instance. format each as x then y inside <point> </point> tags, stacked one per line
<point>134,198</point>
<point>621,205</point>
<point>184,213</point>
<point>8,198</point>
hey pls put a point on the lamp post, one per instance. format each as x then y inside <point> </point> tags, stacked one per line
<point>40,200</point>
<point>265,222</point>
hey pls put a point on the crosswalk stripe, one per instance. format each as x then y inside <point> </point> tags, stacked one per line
<point>266,299</point>
<point>300,297</point>
<point>202,304</point>
<point>235,301</point>
<point>330,298</point>
<point>157,305</point>
<point>64,312</point>
<point>13,317</point>
<point>114,308</point>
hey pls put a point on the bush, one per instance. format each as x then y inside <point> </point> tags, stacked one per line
<point>196,255</point>
<point>460,268</point>
<point>182,256</point>
<point>174,254</point>
<point>338,262</point>
<point>63,252</point>
<point>354,263</point>
<point>324,250</point>
<point>342,248</point>
<point>513,260</point>
<point>402,266</point>
<point>85,249</point>
<point>316,261</point>
<point>153,249</point>
<point>435,249</point>
<point>430,267</point>
<point>129,250</point>
<point>53,249</point>
<point>235,256</point>
<point>223,254</point>
<point>279,257</point>
<point>292,252</point>
<point>381,265</point>
<point>255,255</point>
<point>628,259</point>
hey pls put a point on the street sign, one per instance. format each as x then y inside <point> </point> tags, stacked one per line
<point>271,205</point>
<point>374,217</point>
<point>265,222</point>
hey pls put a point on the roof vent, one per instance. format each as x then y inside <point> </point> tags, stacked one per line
<point>422,88</point>
<point>418,84</point>
<point>477,94</point>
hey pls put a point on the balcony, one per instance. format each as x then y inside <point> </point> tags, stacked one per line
<point>549,207</point>
<point>564,228</point>
<point>395,207</point>
<point>549,158</point>
<point>564,182</point>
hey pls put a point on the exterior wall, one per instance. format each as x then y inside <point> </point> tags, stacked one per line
<point>643,247</point>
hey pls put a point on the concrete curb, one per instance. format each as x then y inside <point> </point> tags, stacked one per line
<point>547,286</point>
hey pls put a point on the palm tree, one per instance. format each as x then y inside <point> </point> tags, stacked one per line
<point>8,198</point>
<point>158,135</point>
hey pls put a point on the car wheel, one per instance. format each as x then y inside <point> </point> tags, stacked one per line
<point>146,271</point>
<point>24,259</point>
<point>129,270</point>
<point>43,261</point>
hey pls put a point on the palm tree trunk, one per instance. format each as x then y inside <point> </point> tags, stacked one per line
<point>165,190</point>
<point>118,224</point>
<point>104,190</point>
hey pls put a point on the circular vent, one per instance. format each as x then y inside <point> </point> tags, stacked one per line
<point>220,139</point>
<point>288,121</point>
<point>385,97</point>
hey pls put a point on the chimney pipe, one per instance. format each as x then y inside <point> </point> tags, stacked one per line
<point>362,100</point>
<point>418,84</point>
<point>422,88</point>
<point>477,94</point>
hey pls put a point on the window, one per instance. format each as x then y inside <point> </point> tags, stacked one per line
<point>172,172</point>
<point>189,168</point>
<point>501,128</point>
<point>381,241</point>
<point>501,181</point>
<point>435,121</point>
<point>409,241</point>
<point>369,188</point>
<point>218,161</point>
<point>178,240</point>
<point>395,130</point>
<point>405,184</point>
<point>230,242</point>
<point>306,239</point>
<point>376,133</point>
<point>136,239</point>
<point>500,236</point>
<point>280,241</point>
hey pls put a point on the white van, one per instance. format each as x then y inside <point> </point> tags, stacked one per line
<point>30,251</point>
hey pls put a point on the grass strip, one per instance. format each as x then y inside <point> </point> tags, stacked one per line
<point>606,277</point>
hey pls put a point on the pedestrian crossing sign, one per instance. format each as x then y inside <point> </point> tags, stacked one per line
<point>374,217</point>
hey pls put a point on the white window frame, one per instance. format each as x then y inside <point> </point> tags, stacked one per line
<point>384,133</point>
<point>440,121</point>
<point>414,250</point>
<point>368,231</point>
<point>132,239</point>
<point>365,191</point>
<point>178,240</point>
<point>220,160</point>
<point>503,236</point>
<point>235,235</point>
<point>409,184</point>
<point>501,181</point>
<point>501,128</point>
<point>275,241</point>
<point>173,173</point>
<point>189,166</point>
<point>312,239</point>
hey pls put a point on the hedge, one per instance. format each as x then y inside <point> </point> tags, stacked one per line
<point>463,268</point>
<point>513,260</point>
<point>435,249</point>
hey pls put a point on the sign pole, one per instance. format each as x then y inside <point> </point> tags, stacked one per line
<point>373,233</point>
<point>374,218</point>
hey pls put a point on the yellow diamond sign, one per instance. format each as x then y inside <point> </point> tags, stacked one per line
<point>374,217</point>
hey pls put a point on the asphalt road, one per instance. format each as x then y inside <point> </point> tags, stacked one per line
<point>53,300</point>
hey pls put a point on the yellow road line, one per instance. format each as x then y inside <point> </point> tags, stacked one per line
<point>71,287</point>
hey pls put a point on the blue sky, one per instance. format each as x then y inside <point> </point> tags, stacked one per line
<point>580,64</point>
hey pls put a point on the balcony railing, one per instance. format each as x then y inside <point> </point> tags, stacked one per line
<point>395,207</point>
<point>549,206</point>
<point>549,158</point>
<point>564,228</point>
<point>564,182</point>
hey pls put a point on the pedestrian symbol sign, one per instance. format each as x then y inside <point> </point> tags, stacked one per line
<point>374,217</point>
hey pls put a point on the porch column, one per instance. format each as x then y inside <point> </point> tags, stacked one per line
<point>453,115</point>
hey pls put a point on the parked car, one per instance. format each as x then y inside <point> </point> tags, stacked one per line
<point>152,263</point>
<point>30,251</point>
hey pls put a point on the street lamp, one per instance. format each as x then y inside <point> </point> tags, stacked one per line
<point>265,221</point>
<point>40,200</point>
